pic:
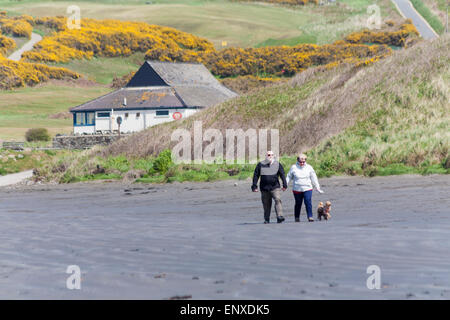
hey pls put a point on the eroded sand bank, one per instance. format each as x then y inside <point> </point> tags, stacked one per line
<point>207,240</point>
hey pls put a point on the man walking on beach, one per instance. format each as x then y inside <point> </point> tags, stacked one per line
<point>270,170</point>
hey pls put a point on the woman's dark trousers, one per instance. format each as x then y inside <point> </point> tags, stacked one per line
<point>299,198</point>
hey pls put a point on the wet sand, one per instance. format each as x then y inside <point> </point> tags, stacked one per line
<point>207,240</point>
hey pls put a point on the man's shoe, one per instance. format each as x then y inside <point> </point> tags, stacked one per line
<point>310,219</point>
<point>280,219</point>
<point>297,219</point>
<point>266,221</point>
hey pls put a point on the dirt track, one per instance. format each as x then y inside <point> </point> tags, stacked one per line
<point>207,240</point>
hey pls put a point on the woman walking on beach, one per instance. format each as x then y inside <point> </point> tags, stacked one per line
<point>304,178</point>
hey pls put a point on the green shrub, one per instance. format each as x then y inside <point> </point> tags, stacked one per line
<point>37,134</point>
<point>143,164</point>
<point>119,163</point>
<point>50,152</point>
<point>163,162</point>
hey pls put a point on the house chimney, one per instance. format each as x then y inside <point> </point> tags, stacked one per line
<point>124,102</point>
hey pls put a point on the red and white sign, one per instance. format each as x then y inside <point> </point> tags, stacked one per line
<point>177,115</point>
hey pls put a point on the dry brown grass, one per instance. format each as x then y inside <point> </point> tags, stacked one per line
<point>249,83</point>
<point>315,105</point>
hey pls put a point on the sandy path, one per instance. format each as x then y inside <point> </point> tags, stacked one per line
<point>14,178</point>
<point>207,240</point>
<point>16,55</point>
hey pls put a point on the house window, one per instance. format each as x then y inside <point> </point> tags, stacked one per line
<point>126,115</point>
<point>80,119</point>
<point>138,114</point>
<point>84,119</point>
<point>162,113</point>
<point>90,118</point>
<point>103,114</point>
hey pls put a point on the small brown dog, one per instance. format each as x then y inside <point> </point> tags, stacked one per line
<point>324,211</point>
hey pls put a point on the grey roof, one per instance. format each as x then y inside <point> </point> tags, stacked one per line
<point>191,85</point>
<point>184,74</point>
<point>201,96</point>
<point>135,99</point>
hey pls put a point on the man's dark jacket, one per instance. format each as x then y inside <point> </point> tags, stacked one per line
<point>269,174</point>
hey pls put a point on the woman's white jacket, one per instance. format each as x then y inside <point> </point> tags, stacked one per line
<point>303,177</point>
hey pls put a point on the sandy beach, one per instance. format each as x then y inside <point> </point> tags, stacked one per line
<point>207,240</point>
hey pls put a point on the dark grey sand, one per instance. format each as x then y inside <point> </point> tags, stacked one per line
<point>207,240</point>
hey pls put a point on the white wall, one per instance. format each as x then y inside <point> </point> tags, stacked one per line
<point>132,123</point>
<point>83,129</point>
<point>151,118</point>
<point>103,124</point>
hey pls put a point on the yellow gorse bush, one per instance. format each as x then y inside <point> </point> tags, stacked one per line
<point>286,60</point>
<point>111,38</point>
<point>18,74</point>
<point>18,26</point>
<point>395,38</point>
<point>279,61</point>
<point>6,44</point>
<point>58,23</point>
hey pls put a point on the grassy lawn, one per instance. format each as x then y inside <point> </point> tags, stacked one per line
<point>438,8</point>
<point>103,70</point>
<point>26,108</point>
<point>426,13</point>
<point>238,23</point>
<point>17,161</point>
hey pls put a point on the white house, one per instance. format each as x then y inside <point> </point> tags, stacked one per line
<point>158,92</point>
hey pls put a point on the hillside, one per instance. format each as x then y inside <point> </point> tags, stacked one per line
<point>349,119</point>
<point>390,117</point>
<point>241,24</point>
<point>111,59</point>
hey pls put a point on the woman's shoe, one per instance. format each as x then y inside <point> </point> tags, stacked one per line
<point>297,219</point>
<point>310,219</point>
<point>280,219</point>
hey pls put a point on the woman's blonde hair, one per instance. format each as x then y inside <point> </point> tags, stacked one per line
<point>302,156</point>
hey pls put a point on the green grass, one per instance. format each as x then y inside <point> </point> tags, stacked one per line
<point>103,70</point>
<point>92,177</point>
<point>439,8</point>
<point>43,30</point>
<point>26,108</point>
<point>287,42</point>
<point>434,21</point>
<point>383,119</point>
<point>404,134</point>
<point>119,166</point>
<point>238,23</point>
<point>16,161</point>
<point>270,102</point>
